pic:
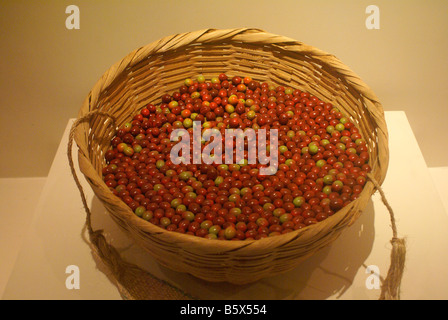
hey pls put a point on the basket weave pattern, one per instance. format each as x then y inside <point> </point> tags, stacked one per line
<point>157,68</point>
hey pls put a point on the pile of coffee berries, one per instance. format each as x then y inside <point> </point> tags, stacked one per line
<point>322,161</point>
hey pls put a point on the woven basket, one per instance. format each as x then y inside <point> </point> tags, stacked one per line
<point>160,67</point>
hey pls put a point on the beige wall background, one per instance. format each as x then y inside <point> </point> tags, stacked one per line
<point>46,70</point>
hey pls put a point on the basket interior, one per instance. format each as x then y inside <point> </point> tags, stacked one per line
<point>147,80</point>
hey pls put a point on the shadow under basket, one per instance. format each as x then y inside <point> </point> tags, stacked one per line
<point>147,73</point>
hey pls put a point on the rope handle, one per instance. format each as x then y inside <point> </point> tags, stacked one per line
<point>390,289</point>
<point>132,281</point>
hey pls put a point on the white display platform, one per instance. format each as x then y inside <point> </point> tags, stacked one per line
<point>54,242</point>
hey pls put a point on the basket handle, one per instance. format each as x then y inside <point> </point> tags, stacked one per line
<point>390,288</point>
<point>132,282</point>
